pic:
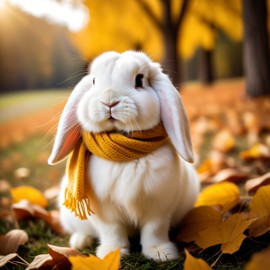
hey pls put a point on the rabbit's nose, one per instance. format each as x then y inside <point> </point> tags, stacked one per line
<point>110,105</point>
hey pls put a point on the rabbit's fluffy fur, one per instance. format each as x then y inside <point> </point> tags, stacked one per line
<point>148,194</point>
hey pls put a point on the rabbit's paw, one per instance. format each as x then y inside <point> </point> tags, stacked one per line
<point>104,250</point>
<point>79,240</point>
<point>162,252</point>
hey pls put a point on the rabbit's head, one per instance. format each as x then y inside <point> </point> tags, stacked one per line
<point>122,93</point>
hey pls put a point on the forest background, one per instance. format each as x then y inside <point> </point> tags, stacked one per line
<point>217,54</point>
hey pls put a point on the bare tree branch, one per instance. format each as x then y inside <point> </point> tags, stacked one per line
<point>147,9</point>
<point>183,11</point>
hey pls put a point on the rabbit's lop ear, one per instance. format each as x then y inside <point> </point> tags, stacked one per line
<point>69,131</point>
<point>173,113</point>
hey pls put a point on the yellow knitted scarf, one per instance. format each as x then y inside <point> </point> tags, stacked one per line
<point>108,145</point>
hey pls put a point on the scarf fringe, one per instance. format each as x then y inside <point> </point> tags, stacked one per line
<point>80,208</point>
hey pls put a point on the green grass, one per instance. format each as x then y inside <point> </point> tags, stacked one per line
<point>17,104</point>
<point>33,152</point>
<point>40,233</point>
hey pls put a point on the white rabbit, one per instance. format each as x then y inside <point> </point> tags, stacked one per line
<point>123,93</point>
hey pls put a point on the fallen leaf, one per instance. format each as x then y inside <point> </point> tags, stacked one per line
<point>196,220</point>
<point>234,122</point>
<point>54,221</point>
<point>258,151</point>
<point>215,162</point>
<point>51,193</point>
<point>57,258</point>
<point>225,194</point>
<point>6,259</point>
<point>254,184</point>
<point>110,262</point>
<point>260,209</point>
<point>56,251</point>
<point>230,174</point>
<point>4,186</point>
<point>22,173</point>
<point>42,261</point>
<point>10,242</point>
<point>28,193</point>
<point>228,233</point>
<point>192,263</point>
<point>24,209</point>
<point>259,261</point>
<point>251,121</point>
<point>224,141</point>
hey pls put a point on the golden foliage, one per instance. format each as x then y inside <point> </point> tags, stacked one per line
<point>260,260</point>
<point>197,220</point>
<point>121,25</point>
<point>110,262</point>
<point>192,263</point>
<point>260,209</point>
<point>229,234</point>
<point>225,194</point>
<point>30,194</point>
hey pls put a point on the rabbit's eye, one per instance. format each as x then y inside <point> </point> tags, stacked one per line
<point>139,80</point>
<point>94,80</point>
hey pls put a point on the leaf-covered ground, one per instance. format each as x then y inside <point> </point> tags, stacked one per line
<point>228,229</point>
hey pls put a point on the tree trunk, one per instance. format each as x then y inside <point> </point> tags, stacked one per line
<point>170,35</point>
<point>205,66</point>
<point>256,49</point>
<point>171,61</point>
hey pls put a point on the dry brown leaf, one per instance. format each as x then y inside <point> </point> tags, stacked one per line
<point>10,242</point>
<point>22,173</point>
<point>225,194</point>
<point>56,251</point>
<point>234,122</point>
<point>6,259</point>
<point>228,233</point>
<point>4,186</point>
<point>54,221</point>
<point>259,261</point>
<point>25,209</point>
<point>251,121</point>
<point>260,209</point>
<point>28,193</point>
<point>215,162</point>
<point>43,261</point>
<point>196,220</point>
<point>224,141</point>
<point>58,258</point>
<point>192,263</point>
<point>230,174</point>
<point>258,151</point>
<point>51,193</point>
<point>110,262</point>
<point>254,184</point>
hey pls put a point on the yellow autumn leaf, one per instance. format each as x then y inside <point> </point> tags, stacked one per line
<point>192,263</point>
<point>255,152</point>
<point>228,233</point>
<point>225,194</point>
<point>259,261</point>
<point>255,183</point>
<point>260,208</point>
<point>110,262</point>
<point>30,194</point>
<point>224,141</point>
<point>196,220</point>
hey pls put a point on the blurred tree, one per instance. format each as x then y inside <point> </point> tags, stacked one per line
<point>34,53</point>
<point>165,29</point>
<point>256,48</point>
